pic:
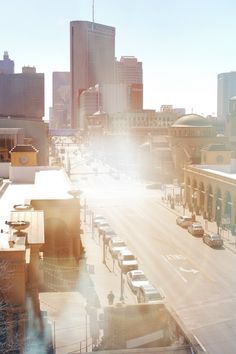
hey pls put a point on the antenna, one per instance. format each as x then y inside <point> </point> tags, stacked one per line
<point>93,11</point>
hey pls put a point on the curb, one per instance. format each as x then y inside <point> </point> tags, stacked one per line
<point>3,187</point>
<point>226,245</point>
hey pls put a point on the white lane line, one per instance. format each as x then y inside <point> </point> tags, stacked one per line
<point>194,271</point>
<point>200,343</point>
<point>175,270</point>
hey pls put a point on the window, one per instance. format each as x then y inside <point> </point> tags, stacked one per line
<point>220,159</point>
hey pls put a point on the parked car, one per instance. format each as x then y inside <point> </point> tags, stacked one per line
<point>101,226</point>
<point>98,219</point>
<point>212,239</point>
<point>136,278</point>
<point>148,293</point>
<point>196,229</point>
<point>116,244</point>
<point>184,221</point>
<point>108,233</point>
<point>127,261</point>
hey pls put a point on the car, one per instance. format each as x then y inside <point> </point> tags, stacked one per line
<point>212,239</point>
<point>196,229</point>
<point>101,226</point>
<point>108,233</point>
<point>98,219</point>
<point>136,278</point>
<point>184,221</point>
<point>127,261</point>
<point>116,244</point>
<point>148,293</point>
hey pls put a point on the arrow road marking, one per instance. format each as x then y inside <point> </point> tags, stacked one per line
<point>194,271</point>
<point>174,269</point>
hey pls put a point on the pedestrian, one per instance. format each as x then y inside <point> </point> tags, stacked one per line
<point>110,298</point>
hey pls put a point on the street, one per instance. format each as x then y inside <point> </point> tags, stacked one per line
<point>199,282</point>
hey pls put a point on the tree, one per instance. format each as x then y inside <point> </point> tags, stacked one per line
<point>9,332</point>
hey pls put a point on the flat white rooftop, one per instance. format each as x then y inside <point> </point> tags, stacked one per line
<point>219,170</point>
<point>49,184</point>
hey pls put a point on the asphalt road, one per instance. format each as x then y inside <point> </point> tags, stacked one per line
<point>199,282</point>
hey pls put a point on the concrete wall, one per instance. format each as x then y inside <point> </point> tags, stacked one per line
<point>19,174</point>
<point>4,169</point>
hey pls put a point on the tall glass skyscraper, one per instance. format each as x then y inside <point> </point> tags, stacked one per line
<point>92,56</point>
<point>226,89</point>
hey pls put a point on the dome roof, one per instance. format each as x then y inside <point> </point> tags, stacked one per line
<point>192,120</point>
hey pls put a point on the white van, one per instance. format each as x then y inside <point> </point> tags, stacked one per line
<point>147,293</point>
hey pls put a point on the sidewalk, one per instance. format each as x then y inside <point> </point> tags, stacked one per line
<point>103,276</point>
<point>228,238</point>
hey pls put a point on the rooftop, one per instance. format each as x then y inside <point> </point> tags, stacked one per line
<point>192,120</point>
<point>217,147</point>
<point>22,194</point>
<point>23,148</point>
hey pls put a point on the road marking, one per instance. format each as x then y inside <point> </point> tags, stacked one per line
<point>198,341</point>
<point>177,257</point>
<point>194,271</point>
<point>175,270</point>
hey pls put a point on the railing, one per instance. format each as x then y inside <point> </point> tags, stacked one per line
<point>84,346</point>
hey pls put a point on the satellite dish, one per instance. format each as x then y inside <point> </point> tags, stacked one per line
<point>75,193</point>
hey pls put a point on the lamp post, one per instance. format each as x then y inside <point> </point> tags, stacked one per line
<point>121,285</point>
<point>218,217</point>
<point>104,250</point>
<point>194,198</point>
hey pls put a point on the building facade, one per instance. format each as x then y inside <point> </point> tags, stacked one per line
<point>187,136</point>
<point>60,117</point>
<point>92,53</point>
<point>6,65</point>
<point>23,131</point>
<point>22,95</point>
<point>129,71</point>
<point>226,88</point>
<point>210,191</point>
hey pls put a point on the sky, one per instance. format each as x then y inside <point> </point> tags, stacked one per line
<point>183,44</point>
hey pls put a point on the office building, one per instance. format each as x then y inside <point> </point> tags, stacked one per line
<point>114,98</point>
<point>226,89</point>
<point>129,71</point>
<point>60,117</point>
<point>92,55</point>
<point>22,95</point>
<point>89,101</point>
<point>6,65</point>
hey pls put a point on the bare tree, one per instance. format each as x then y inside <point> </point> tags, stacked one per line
<point>9,333</point>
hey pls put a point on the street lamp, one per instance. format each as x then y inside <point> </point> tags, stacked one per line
<point>218,217</point>
<point>104,250</point>
<point>194,198</point>
<point>121,285</point>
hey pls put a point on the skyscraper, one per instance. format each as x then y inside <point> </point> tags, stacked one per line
<point>60,100</point>
<point>129,71</point>
<point>92,56</point>
<point>6,65</point>
<point>226,88</point>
